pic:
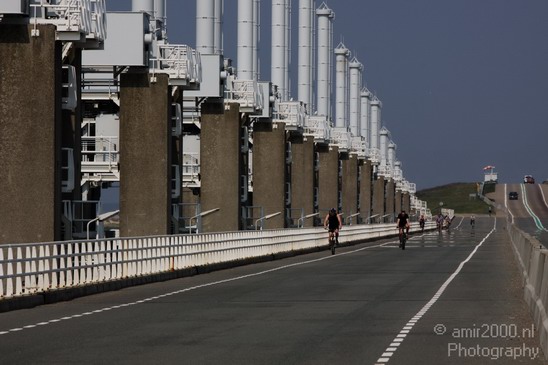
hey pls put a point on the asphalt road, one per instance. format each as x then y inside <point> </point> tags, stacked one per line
<point>530,210</point>
<point>451,298</point>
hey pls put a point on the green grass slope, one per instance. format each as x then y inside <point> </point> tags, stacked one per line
<point>454,196</point>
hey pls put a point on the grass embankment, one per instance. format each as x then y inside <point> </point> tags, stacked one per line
<point>454,196</point>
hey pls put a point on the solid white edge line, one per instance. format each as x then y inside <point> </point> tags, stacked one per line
<point>400,337</point>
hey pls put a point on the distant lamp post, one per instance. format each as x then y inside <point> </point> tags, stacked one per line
<point>441,205</point>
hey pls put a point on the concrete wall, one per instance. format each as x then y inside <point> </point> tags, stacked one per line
<point>366,187</point>
<point>378,198</point>
<point>302,176</point>
<point>145,155</point>
<point>350,187</point>
<point>390,195</point>
<point>398,202</point>
<point>221,164</point>
<point>269,171</point>
<point>406,202</point>
<point>30,135</point>
<point>328,179</point>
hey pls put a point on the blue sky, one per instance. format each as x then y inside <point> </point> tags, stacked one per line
<point>463,82</point>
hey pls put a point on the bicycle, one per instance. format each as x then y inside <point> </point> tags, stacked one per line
<point>332,243</point>
<point>403,239</point>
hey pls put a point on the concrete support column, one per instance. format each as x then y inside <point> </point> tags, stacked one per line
<point>378,198</point>
<point>328,179</point>
<point>145,155</point>
<point>366,188</point>
<point>269,171</point>
<point>390,207</point>
<point>399,201</point>
<point>406,202</point>
<point>350,187</point>
<point>221,166</point>
<point>30,135</point>
<point>302,176</point>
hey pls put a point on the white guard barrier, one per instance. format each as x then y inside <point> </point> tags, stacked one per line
<point>39,267</point>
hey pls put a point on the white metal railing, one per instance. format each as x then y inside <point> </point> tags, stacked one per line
<point>40,267</point>
<point>358,146</point>
<point>179,62</point>
<point>318,127</point>
<point>191,169</point>
<point>246,93</point>
<point>101,152</point>
<point>342,138</point>
<point>292,113</point>
<point>374,155</point>
<point>74,16</point>
<point>384,170</point>
<point>98,20</point>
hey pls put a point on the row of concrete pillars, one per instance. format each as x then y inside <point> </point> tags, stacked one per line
<point>34,129</point>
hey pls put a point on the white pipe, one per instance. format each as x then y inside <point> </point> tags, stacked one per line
<point>256,38</point>
<point>324,16</point>
<point>355,86</point>
<point>146,6</point>
<point>160,13</point>
<point>287,61</point>
<point>245,39</point>
<point>384,136</point>
<point>278,55</point>
<point>305,53</point>
<point>375,125</point>
<point>365,116</point>
<point>341,65</point>
<point>218,13</point>
<point>205,26</point>
<point>392,155</point>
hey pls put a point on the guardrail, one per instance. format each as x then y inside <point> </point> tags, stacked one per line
<point>41,267</point>
<point>532,259</point>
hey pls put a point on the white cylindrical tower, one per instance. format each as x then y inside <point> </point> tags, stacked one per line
<point>355,68</point>
<point>218,13</point>
<point>341,85</point>
<point>245,39</point>
<point>305,53</point>
<point>392,155</point>
<point>256,38</point>
<point>375,122</point>
<point>287,61</point>
<point>384,140</point>
<point>278,57</point>
<point>205,26</point>
<point>325,18</point>
<point>365,116</point>
<point>146,6</point>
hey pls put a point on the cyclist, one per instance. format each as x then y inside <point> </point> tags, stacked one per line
<point>333,223</point>
<point>421,222</point>
<point>403,222</point>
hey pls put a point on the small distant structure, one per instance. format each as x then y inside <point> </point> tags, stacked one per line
<point>490,174</point>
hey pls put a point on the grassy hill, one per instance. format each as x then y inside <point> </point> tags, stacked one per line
<point>454,196</point>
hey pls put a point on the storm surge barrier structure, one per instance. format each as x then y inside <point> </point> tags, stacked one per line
<point>40,268</point>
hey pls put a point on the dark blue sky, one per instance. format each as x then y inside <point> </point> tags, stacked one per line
<point>463,82</point>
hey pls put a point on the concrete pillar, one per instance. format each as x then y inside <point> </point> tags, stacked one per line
<point>350,187</point>
<point>390,197</point>
<point>399,201</point>
<point>269,171</point>
<point>30,135</point>
<point>145,155</point>
<point>378,198</point>
<point>328,179</point>
<point>302,176</point>
<point>221,166</point>
<point>366,190</point>
<point>406,202</point>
